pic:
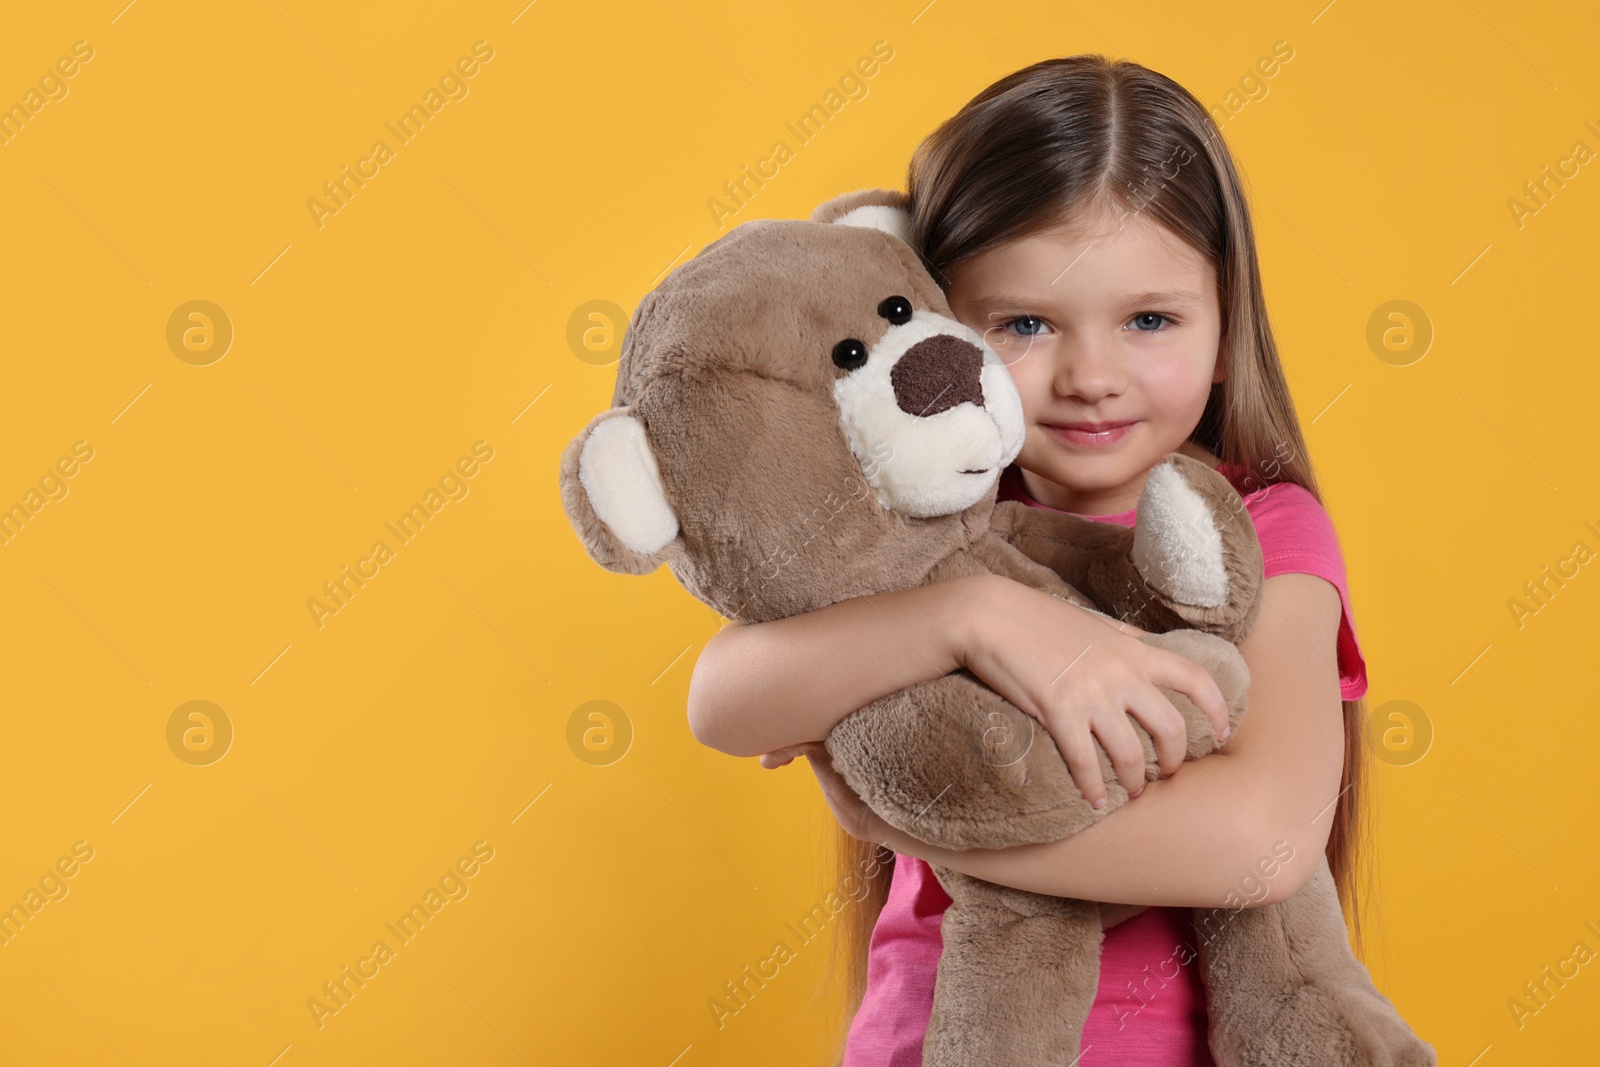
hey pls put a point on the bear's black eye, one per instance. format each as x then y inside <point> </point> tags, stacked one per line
<point>849,354</point>
<point>897,309</point>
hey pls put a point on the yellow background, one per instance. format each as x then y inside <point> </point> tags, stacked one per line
<point>431,712</point>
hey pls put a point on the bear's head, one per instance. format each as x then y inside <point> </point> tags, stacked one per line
<point>798,419</point>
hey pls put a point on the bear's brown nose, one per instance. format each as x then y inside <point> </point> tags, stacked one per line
<point>938,373</point>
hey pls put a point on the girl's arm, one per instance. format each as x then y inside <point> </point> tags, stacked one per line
<point>1209,836</point>
<point>761,687</point>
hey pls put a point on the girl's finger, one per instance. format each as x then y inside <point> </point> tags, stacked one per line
<point>1121,624</point>
<point>782,757</point>
<point>1078,751</point>
<point>1172,671</point>
<point>1122,746</point>
<point>1167,729</point>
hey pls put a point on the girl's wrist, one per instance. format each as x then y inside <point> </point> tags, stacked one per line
<point>967,606</point>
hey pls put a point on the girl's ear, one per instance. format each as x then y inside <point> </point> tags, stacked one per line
<point>613,495</point>
<point>888,210</point>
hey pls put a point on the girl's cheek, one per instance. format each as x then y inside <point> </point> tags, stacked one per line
<point>1179,382</point>
<point>1000,341</point>
<point>1024,373</point>
<point>1016,352</point>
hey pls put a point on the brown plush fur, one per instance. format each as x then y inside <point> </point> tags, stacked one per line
<point>744,471</point>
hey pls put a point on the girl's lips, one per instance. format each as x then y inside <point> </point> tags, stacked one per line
<point>1088,439</point>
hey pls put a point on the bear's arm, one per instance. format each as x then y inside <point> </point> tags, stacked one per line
<point>1210,583</point>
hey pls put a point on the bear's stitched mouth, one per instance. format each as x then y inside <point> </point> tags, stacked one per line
<point>985,470</point>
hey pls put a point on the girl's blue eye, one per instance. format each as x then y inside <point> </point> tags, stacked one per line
<point>1036,323</point>
<point>1142,321</point>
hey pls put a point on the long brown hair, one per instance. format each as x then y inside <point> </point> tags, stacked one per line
<point>1034,149</point>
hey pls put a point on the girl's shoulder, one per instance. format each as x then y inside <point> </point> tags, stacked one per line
<point>1297,536</point>
<point>1290,521</point>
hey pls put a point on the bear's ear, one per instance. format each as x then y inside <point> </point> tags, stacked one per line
<point>888,210</point>
<point>613,494</point>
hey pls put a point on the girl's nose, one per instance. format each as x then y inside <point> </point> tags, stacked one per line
<point>1090,369</point>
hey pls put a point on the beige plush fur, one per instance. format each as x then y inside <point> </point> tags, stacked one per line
<point>795,436</point>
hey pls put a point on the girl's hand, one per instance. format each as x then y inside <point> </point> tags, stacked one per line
<point>1084,676</point>
<point>858,820</point>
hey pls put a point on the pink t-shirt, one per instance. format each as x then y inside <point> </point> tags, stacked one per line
<point>1149,1008</point>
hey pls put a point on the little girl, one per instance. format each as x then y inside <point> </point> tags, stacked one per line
<point>1084,216</point>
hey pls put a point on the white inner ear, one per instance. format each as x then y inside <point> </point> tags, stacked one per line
<point>1176,544</point>
<point>618,470</point>
<point>891,220</point>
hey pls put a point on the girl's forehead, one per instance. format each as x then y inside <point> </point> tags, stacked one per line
<point>1114,254</point>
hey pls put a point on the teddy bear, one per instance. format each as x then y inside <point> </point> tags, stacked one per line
<point>799,419</point>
